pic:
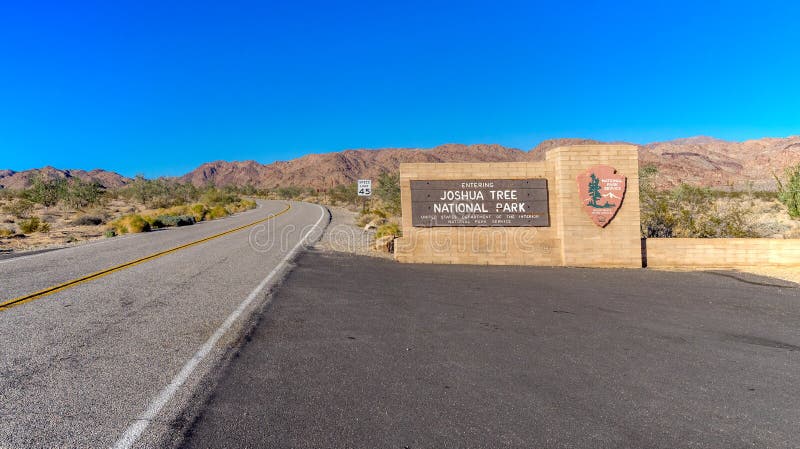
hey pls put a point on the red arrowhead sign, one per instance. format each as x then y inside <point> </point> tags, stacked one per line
<point>601,192</point>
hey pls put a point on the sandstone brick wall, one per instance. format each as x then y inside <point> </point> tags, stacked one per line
<point>584,243</point>
<point>709,253</point>
<point>572,238</point>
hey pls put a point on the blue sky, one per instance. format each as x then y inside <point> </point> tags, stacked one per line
<point>160,87</point>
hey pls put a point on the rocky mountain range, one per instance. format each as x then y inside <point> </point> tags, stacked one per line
<point>9,179</point>
<point>701,161</point>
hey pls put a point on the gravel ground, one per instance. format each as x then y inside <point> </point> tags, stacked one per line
<point>342,235</point>
<point>786,273</point>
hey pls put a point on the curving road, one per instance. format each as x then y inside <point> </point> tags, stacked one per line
<point>114,360</point>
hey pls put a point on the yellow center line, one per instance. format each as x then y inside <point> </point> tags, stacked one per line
<point>89,277</point>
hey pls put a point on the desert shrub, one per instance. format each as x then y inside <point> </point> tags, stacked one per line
<point>657,218</point>
<point>217,212</point>
<point>388,229</point>
<point>288,193</point>
<point>110,233</point>
<point>5,232</point>
<point>344,194</point>
<point>159,193</point>
<point>44,227</point>
<point>88,220</point>
<point>80,194</point>
<point>248,189</point>
<point>47,192</point>
<point>176,220</point>
<point>20,208</point>
<point>29,225</point>
<point>789,190</point>
<point>241,206</point>
<point>133,223</point>
<point>198,211</point>
<point>689,211</point>
<point>215,197</point>
<point>388,191</point>
<point>364,218</point>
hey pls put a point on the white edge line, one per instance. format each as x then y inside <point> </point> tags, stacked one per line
<point>135,430</point>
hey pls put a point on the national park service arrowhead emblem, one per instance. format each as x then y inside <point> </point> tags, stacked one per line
<point>601,191</point>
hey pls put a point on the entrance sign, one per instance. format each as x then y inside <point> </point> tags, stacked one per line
<point>364,187</point>
<point>480,203</point>
<point>601,192</point>
<point>525,213</point>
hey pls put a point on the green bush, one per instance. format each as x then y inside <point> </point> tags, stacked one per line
<point>344,194</point>
<point>30,225</point>
<point>388,229</point>
<point>47,192</point>
<point>110,233</point>
<point>689,211</point>
<point>214,197</point>
<point>159,193</point>
<point>388,191</point>
<point>80,194</point>
<point>789,190</point>
<point>289,193</point>
<point>175,220</point>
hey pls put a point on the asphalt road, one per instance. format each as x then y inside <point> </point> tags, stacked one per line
<point>354,352</point>
<point>83,367</point>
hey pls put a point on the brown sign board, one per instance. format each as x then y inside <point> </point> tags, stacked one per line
<point>480,203</point>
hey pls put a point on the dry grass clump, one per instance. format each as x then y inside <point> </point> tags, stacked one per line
<point>177,216</point>
<point>5,232</point>
<point>217,212</point>
<point>32,225</point>
<point>198,211</point>
<point>133,223</point>
<point>241,206</point>
<point>390,228</point>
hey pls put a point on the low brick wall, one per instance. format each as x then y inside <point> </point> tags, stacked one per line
<point>722,252</point>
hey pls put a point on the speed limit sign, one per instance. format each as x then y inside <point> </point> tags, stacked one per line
<point>364,187</point>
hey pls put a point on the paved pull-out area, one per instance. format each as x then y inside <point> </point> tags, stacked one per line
<point>358,352</point>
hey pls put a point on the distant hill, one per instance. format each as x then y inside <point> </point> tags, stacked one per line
<point>704,161</point>
<point>330,169</point>
<point>10,179</point>
<point>701,161</point>
<point>718,163</point>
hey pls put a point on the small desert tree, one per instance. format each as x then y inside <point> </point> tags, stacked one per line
<point>82,194</point>
<point>47,192</point>
<point>789,190</point>
<point>388,190</point>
